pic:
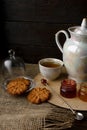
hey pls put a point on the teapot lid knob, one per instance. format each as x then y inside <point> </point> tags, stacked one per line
<point>84,23</point>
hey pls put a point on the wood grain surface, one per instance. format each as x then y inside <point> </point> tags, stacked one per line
<point>29,26</point>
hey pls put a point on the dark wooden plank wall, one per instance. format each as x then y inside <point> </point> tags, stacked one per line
<point>29,26</point>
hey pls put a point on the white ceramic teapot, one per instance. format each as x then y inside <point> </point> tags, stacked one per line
<point>75,51</point>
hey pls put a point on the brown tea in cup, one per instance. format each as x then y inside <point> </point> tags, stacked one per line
<point>51,64</point>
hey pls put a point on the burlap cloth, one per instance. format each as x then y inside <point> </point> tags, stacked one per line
<point>16,113</point>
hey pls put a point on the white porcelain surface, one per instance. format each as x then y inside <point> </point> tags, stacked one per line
<point>75,51</point>
<point>50,73</point>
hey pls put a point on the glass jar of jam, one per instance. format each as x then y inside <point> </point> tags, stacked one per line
<point>68,88</point>
<point>82,93</point>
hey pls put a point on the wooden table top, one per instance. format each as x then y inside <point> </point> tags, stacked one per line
<point>17,113</point>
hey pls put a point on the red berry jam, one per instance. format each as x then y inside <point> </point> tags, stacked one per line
<point>68,88</point>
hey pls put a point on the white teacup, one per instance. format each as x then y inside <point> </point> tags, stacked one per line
<point>50,68</point>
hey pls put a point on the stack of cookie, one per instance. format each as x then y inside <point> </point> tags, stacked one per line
<point>18,86</point>
<point>38,95</point>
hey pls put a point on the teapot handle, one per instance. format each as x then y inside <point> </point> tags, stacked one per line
<point>57,38</point>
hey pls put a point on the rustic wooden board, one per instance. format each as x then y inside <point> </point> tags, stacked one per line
<point>60,11</point>
<point>75,103</point>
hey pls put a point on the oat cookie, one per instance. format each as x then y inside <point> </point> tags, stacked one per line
<point>18,86</point>
<point>38,95</point>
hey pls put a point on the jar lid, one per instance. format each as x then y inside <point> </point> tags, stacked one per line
<point>83,28</point>
<point>13,66</point>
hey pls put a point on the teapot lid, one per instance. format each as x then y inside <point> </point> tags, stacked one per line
<point>83,28</point>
